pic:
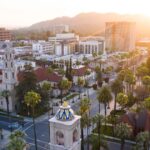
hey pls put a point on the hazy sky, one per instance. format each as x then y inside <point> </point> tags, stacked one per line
<point>20,13</point>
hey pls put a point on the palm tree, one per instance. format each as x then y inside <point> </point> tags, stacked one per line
<point>94,54</point>
<point>17,141</point>
<point>104,96</point>
<point>86,83</point>
<point>6,95</point>
<point>147,106</point>
<point>146,82</point>
<point>83,111</point>
<point>31,99</point>
<point>122,131</point>
<point>64,84</point>
<point>116,87</point>
<point>94,142</point>
<point>122,99</point>
<point>130,80</point>
<point>80,84</point>
<point>96,118</point>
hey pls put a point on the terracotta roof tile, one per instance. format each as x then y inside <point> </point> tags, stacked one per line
<point>42,74</point>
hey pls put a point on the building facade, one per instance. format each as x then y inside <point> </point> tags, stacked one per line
<point>4,34</point>
<point>42,47</point>
<point>120,36</point>
<point>91,46</point>
<point>64,43</point>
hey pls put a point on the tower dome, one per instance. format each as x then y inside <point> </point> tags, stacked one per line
<point>65,113</point>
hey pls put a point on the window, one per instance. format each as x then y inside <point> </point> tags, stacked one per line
<point>13,75</point>
<point>2,103</point>
<point>11,64</point>
<point>6,65</point>
<point>59,138</point>
<point>75,135</point>
<point>6,76</point>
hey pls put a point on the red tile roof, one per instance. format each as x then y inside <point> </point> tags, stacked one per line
<point>80,71</point>
<point>42,74</point>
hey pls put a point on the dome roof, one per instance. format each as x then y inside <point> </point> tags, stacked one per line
<point>65,113</point>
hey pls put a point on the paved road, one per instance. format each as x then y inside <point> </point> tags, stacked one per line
<point>8,122</point>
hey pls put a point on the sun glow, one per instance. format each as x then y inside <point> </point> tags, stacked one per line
<point>27,12</point>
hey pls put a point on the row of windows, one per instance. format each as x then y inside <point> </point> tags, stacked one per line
<point>8,56</point>
<point>13,75</point>
<point>6,64</point>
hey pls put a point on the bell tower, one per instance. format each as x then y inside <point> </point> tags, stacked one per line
<point>65,130</point>
<point>9,79</point>
<point>9,73</point>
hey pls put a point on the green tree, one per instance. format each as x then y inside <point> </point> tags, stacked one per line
<point>147,103</point>
<point>17,141</point>
<point>27,83</point>
<point>116,87</point>
<point>146,81</point>
<point>86,83</point>
<point>142,141</point>
<point>122,131</point>
<point>122,99</point>
<point>45,91</point>
<point>31,100</point>
<point>6,95</point>
<point>104,96</point>
<point>64,85</point>
<point>81,84</point>
<point>130,80</point>
<point>94,142</point>
<point>84,111</point>
<point>94,54</point>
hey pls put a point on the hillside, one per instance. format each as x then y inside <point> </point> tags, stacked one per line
<point>94,23</point>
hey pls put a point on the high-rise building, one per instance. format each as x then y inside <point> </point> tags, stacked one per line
<point>120,36</point>
<point>4,34</point>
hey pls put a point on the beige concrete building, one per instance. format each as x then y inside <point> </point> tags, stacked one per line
<point>120,36</point>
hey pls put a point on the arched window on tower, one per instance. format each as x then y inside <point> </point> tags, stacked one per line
<point>59,138</point>
<point>12,64</point>
<point>6,65</point>
<point>13,75</point>
<point>75,135</point>
<point>6,76</point>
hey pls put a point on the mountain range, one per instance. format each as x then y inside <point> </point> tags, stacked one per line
<point>94,23</point>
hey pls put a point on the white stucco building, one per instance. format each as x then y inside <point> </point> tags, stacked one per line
<point>64,43</point>
<point>65,130</point>
<point>23,50</point>
<point>90,46</point>
<point>42,47</point>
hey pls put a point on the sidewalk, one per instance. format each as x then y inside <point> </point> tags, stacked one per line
<point>5,140</point>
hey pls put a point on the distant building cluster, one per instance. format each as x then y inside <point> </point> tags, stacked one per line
<point>58,50</point>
